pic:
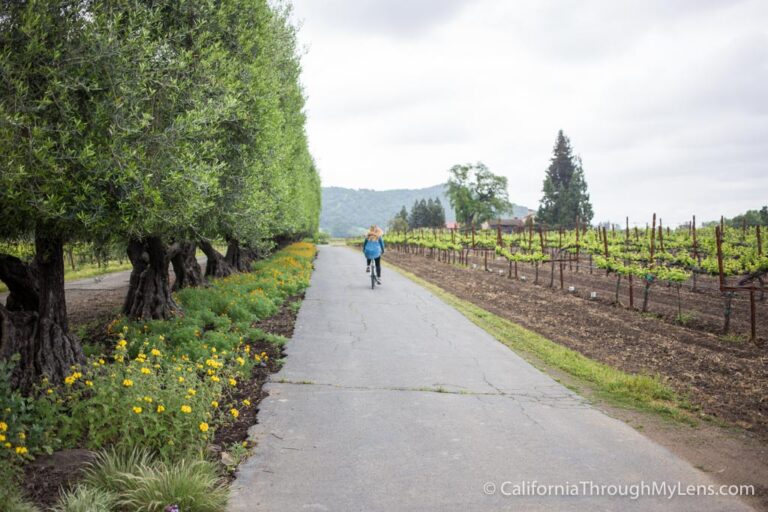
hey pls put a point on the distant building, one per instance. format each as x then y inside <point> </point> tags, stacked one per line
<point>451,225</point>
<point>513,225</point>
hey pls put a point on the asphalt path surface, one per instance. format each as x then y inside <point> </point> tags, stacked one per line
<point>391,400</point>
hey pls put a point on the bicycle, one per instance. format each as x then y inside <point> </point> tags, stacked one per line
<point>374,276</point>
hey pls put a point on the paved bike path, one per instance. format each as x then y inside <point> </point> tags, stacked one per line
<point>391,400</point>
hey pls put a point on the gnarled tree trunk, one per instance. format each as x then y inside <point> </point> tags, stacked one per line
<point>234,255</point>
<point>184,260</point>
<point>217,265</point>
<point>21,280</point>
<point>240,258</point>
<point>149,291</point>
<point>40,334</point>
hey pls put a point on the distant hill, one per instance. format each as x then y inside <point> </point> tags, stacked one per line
<point>349,212</point>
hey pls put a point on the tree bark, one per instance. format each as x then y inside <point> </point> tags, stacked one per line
<point>22,281</point>
<point>234,256</point>
<point>185,266</point>
<point>216,266</point>
<point>149,292</point>
<point>41,335</point>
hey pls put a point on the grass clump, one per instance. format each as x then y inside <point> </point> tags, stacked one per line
<point>191,484</point>
<point>85,499</point>
<point>137,481</point>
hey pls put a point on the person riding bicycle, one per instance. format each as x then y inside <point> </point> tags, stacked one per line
<point>373,248</point>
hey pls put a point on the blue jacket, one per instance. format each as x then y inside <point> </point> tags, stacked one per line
<point>373,248</point>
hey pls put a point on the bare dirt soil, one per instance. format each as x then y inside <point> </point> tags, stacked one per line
<point>702,308</point>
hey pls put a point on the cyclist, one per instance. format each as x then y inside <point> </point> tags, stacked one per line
<point>373,248</point>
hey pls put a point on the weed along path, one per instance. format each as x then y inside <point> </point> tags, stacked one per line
<point>392,400</point>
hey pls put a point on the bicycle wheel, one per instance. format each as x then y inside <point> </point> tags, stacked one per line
<point>373,277</point>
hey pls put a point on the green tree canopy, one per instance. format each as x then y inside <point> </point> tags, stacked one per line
<point>149,123</point>
<point>399,223</point>
<point>476,194</point>
<point>565,189</point>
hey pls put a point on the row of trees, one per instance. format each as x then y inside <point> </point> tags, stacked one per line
<point>750,218</point>
<point>163,125</point>
<point>424,214</point>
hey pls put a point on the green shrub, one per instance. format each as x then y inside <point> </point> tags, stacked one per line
<point>163,405</point>
<point>166,385</point>
<point>27,424</point>
<point>10,494</point>
<point>17,504</point>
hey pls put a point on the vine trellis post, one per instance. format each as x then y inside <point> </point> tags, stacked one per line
<point>745,285</point>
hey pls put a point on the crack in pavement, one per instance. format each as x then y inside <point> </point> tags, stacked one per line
<point>545,399</point>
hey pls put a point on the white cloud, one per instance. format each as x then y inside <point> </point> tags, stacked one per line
<point>665,101</point>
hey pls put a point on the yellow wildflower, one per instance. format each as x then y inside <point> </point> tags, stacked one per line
<point>156,352</point>
<point>160,408</point>
<point>21,450</point>
<point>234,412</point>
<point>147,399</point>
<point>232,382</point>
<point>240,361</point>
<point>247,402</point>
<point>214,378</point>
<point>181,379</point>
<point>89,383</point>
<point>2,438</point>
<point>146,371</point>
<point>191,392</point>
<point>203,427</point>
<point>49,391</point>
<point>214,404</point>
<point>186,409</point>
<point>127,383</point>
<point>137,410</point>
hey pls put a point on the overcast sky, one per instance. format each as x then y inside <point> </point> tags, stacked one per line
<point>666,101</point>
